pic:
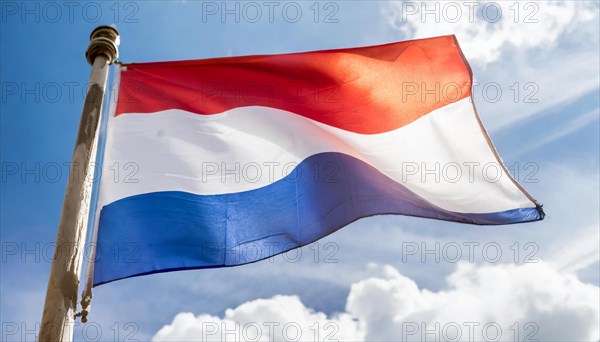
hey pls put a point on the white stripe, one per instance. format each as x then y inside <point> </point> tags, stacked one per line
<point>175,150</point>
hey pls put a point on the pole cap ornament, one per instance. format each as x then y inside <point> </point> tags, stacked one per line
<point>104,40</point>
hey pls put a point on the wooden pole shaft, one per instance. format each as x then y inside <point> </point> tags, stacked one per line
<point>61,296</point>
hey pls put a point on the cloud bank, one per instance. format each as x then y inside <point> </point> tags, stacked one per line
<point>480,303</point>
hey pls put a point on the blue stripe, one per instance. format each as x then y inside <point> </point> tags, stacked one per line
<point>166,231</point>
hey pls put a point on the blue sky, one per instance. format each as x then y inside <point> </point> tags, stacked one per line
<point>549,131</point>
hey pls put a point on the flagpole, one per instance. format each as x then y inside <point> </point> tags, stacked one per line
<point>63,284</point>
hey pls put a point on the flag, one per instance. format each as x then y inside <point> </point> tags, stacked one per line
<point>222,162</point>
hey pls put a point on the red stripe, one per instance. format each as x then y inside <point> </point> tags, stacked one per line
<point>365,90</point>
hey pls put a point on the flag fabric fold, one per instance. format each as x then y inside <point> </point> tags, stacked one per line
<point>226,161</point>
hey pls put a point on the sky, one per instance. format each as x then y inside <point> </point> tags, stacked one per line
<point>536,65</point>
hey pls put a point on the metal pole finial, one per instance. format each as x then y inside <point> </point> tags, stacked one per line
<point>104,40</point>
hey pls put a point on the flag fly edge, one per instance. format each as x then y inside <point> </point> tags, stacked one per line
<point>539,206</point>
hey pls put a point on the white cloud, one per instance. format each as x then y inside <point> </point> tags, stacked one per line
<point>533,300</point>
<point>485,28</point>
<point>556,307</point>
<point>275,319</point>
